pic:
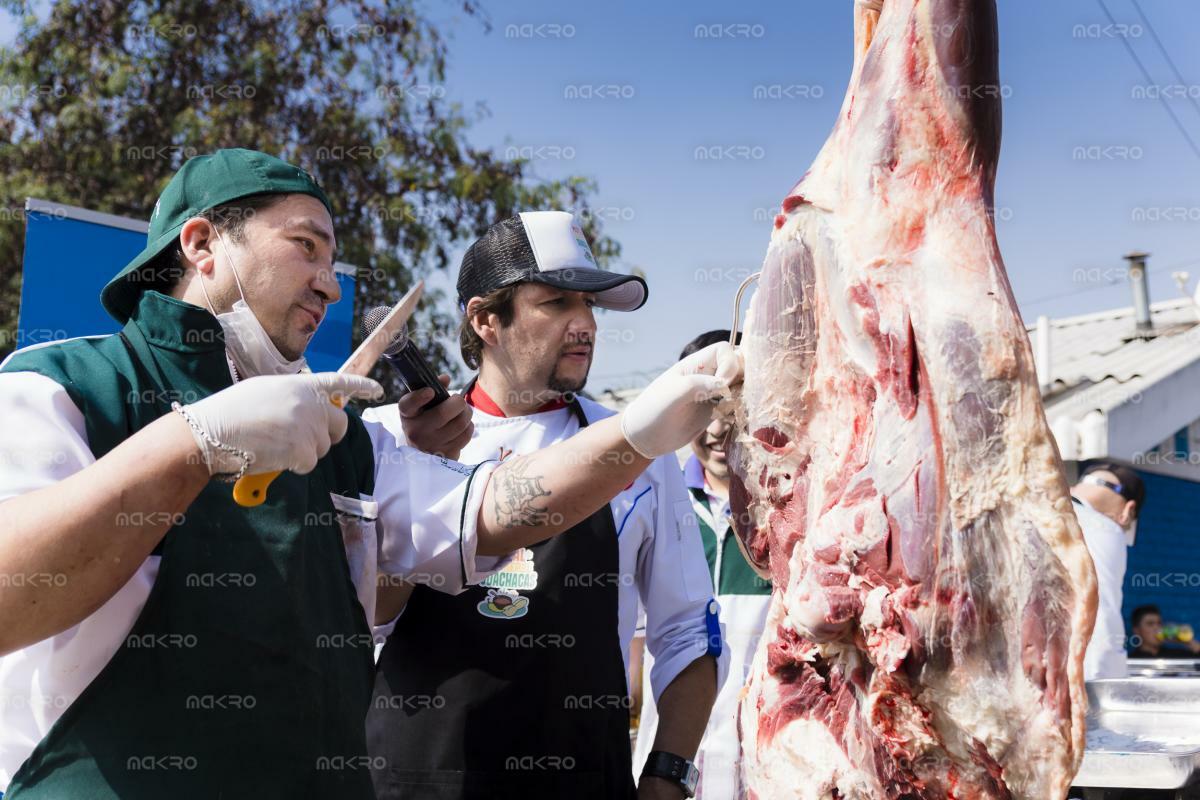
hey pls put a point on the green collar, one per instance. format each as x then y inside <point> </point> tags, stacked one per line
<point>172,324</point>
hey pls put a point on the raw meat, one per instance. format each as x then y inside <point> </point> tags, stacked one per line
<point>894,471</point>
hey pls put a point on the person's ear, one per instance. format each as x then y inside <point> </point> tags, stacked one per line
<point>1127,513</point>
<point>484,323</point>
<point>197,239</point>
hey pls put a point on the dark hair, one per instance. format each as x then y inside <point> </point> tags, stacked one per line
<point>1141,612</point>
<point>498,302</point>
<point>163,272</point>
<point>705,339</point>
<point>1132,487</point>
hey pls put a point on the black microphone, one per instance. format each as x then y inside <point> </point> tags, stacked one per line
<point>415,372</point>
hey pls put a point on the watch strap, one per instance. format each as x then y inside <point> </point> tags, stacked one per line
<point>670,767</point>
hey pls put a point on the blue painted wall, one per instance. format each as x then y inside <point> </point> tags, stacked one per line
<point>1164,564</point>
<point>68,261</point>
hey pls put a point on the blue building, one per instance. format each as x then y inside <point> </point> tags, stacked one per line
<point>70,253</point>
<point>1125,385</point>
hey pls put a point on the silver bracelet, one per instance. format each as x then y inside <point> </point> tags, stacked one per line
<point>227,477</point>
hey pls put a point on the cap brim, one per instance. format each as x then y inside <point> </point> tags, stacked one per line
<point>120,295</point>
<point>613,290</point>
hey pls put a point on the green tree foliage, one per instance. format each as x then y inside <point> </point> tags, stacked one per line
<point>104,100</point>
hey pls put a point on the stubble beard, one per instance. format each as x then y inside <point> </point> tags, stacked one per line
<point>563,385</point>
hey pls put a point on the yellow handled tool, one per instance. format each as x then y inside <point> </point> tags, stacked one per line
<point>251,490</point>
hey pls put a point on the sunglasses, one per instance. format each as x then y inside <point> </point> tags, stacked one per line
<point>1096,480</point>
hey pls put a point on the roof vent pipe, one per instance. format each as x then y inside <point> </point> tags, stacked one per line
<point>1141,294</point>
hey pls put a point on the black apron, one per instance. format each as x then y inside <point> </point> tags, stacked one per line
<point>506,691</point>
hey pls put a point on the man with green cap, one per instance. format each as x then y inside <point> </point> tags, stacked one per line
<point>157,640</point>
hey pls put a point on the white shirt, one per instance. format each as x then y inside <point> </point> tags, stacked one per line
<point>661,554</point>
<point>43,440</point>
<point>1105,656</point>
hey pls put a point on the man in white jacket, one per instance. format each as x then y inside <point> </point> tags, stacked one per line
<point>1108,499</point>
<point>542,647</point>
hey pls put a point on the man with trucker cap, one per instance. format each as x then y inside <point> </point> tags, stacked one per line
<point>157,640</point>
<point>539,650</point>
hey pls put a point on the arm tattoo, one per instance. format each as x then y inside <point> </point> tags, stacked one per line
<point>515,496</point>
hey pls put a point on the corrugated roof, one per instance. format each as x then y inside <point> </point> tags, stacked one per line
<point>1096,362</point>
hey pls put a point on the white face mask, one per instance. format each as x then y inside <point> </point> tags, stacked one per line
<point>246,341</point>
<point>1131,533</point>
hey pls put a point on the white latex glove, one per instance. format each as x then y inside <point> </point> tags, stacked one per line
<point>678,404</point>
<point>280,421</point>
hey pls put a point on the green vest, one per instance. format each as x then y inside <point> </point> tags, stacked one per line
<point>737,576</point>
<point>249,671</point>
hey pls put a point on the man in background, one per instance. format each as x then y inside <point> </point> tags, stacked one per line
<point>1108,499</point>
<point>1145,642</point>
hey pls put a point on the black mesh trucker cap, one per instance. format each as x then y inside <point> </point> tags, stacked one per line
<point>545,247</point>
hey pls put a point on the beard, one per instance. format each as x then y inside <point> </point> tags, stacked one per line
<point>564,385</point>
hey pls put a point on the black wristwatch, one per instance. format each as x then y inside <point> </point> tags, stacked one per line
<point>673,768</point>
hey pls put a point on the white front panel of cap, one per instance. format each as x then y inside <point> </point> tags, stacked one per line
<point>557,241</point>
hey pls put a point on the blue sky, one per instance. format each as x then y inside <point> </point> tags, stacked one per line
<point>697,226</point>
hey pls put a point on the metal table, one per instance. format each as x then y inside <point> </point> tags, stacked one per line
<point>1163,667</point>
<point>1143,734</point>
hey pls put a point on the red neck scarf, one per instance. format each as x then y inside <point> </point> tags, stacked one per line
<point>478,398</point>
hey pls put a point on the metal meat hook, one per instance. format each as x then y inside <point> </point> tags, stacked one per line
<point>737,306</point>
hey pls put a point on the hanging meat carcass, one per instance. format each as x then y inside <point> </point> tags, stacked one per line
<point>894,472</point>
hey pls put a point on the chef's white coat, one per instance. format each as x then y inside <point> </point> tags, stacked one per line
<point>661,554</point>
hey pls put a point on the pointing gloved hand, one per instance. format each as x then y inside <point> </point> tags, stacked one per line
<point>274,422</point>
<point>679,404</point>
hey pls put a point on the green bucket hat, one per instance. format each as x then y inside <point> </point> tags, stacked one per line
<point>202,183</point>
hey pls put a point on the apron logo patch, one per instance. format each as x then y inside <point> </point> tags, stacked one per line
<point>503,600</point>
<point>503,604</point>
